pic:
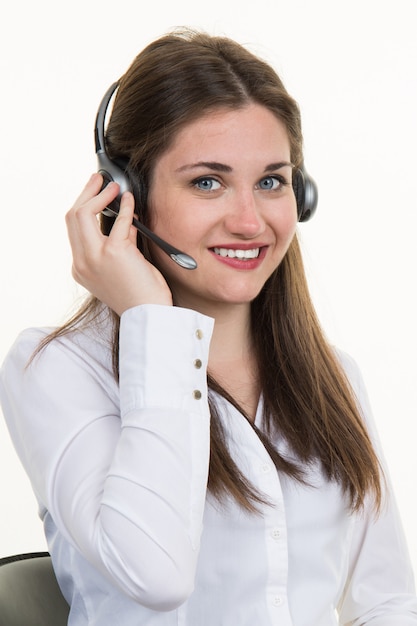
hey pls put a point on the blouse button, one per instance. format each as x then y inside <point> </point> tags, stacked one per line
<point>197,394</point>
<point>265,468</point>
<point>199,333</point>
<point>277,601</point>
<point>197,364</point>
<point>276,534</point>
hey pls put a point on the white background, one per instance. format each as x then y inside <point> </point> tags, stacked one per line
<point>352,67</point>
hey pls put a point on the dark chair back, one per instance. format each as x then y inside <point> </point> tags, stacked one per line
<point>29,592</point>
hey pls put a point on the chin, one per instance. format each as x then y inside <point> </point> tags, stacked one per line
<point>220,292</point>
<point>239,297</point>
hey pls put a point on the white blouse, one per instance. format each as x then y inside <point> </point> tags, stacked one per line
<point>120,473</point>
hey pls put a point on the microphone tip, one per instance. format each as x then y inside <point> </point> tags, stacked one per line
<point>184,260</point>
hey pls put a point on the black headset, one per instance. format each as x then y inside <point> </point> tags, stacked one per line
<point>305,188</point>
<point>106,167</point>
<point>306,194</point>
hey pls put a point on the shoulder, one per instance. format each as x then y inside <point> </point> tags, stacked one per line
<point>90,347</point>
<point>353,374</point>
<point>350,368</point>
<point>356,381</point>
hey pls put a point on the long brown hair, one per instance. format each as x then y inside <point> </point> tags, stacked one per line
<point>307,397</point>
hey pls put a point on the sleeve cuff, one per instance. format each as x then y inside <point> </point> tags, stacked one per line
<point>163,358</point>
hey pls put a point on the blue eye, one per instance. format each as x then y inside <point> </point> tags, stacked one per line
<point>270,183</point>
<point>207,184</point>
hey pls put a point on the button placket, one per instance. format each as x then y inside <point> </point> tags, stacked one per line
<point>276,534</point>
<point>276,544</point>
<point>198,364</point>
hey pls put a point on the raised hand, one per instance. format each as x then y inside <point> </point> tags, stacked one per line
<point>112,268</point>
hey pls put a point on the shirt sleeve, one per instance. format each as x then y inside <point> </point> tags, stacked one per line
<point>380,587</point>
<point>124,480</point>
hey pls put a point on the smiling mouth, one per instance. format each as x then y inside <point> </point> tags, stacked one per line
<point>244,255</point>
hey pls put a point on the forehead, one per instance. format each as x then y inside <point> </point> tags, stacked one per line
<point>252,131</point>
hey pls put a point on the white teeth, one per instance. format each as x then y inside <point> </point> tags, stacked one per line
<point>237,254</point>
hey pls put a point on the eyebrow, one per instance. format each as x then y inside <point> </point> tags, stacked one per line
<point>211,165</point>
<point>277,166</point>
<point>221,167</point>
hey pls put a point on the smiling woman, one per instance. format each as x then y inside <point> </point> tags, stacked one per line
<point>215,188</point>
<point>201,455</point>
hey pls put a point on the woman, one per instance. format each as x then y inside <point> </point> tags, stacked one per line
<point>200,454</point>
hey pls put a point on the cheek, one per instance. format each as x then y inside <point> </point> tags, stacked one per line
<point>165,214</point>
<point>155,202</point>
<point>287,224</point>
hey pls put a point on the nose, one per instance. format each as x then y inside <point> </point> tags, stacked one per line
<point>243,218</point>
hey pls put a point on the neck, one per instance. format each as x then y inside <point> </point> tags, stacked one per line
<point>231,335</point>
<point>232,362</point>
<point>231,339</point>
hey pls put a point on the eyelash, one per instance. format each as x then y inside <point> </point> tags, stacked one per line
<point>275,177</point>
<point>200,179</point>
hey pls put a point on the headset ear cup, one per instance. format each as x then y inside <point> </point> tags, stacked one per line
<point>111,171</point>
<point>306,194</point>
<point>298,186</point>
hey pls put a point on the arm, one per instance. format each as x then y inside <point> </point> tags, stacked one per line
<point>380,588</point>
<point>125,483</point>
<point>380,585</point>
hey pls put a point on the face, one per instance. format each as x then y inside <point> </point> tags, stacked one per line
<point>222,193</point>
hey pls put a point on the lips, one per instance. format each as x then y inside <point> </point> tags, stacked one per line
<point>231,253</point>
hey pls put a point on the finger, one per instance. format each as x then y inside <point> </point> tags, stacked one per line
<point>91,189</point>
<point>123,223</point>
<point>83,229</point>
<point>81,220</point>
<point>95,195</point>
